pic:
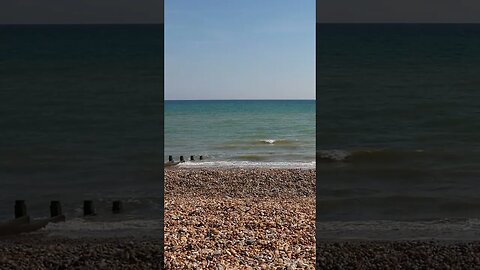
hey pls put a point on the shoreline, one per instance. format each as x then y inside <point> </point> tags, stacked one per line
<point>224,168</point>
<point>236,219</point>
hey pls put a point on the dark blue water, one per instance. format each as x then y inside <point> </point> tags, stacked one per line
<point>398,122</point>
<point>81,117</point>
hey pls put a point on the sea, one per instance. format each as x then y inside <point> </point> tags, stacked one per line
<point>397,128</point>
<point>398,131</point>
<point>81,119</point>
<point>241,133</point>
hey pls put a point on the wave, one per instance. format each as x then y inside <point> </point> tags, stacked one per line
<point>256,143</point>
<point>82,228</point>
<point>277,141</point>
<point>379,201</point>
<point>422,206</point>
<point>438,229</point>
<point>252,157</point>
<point>383,201</point>
<point>250,164</point>
<point>333,155</point>
<point>367,155</point>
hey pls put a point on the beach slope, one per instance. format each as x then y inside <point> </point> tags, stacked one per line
<point>239,218</point>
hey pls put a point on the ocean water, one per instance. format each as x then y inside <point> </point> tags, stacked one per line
<point>398,128</point>
<point>81,118</point>
<point>241,133</point>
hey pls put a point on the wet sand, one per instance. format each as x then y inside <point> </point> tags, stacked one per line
<point>239,219</point>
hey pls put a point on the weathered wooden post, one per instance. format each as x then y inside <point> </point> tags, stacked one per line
<point>88,209</point>
<point>192,158</point>
<point>117,207</point>
<point>55,209</point>
<point>170,159</point>
<point>20,209</point>
<point>181,159</point>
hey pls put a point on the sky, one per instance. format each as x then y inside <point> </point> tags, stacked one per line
<point>398,11</point>
<point>232,49</point>
<point>80,11</point>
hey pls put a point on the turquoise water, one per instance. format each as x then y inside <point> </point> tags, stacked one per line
<point>272,133</point>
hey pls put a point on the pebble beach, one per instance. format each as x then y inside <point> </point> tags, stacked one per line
<point>239,219</point>
<point>424,254</point>
<point>214,219</point>
<point>236,219</point>
<point>28,252</point>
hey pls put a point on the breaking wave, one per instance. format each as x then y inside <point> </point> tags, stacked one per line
<point>276,141</point>
<point>249,164</point>
<point>81,228</point>
<point>367,155</point>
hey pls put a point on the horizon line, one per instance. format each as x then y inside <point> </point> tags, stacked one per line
<point>160,23</point>
<point>46,24</point>
<point>245,99</point>
<point>374,22</point>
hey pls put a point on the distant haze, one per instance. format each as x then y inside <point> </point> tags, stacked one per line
<point>405,11</point>
<point>81,11</point>
<point>246,49</point>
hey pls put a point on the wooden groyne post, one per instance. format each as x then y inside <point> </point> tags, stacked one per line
<point>171,162</point>
<point>117,207</point>
<point>20,209</point>
<point>56,214</point>
<point>88,209</point>
<point>55,209</point>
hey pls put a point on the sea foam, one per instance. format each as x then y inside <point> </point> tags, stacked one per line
<point>249,164</point>
<point>81,228</point>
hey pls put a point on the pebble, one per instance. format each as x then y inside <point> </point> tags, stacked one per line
<point>398,255</point>
<point>242,216</point>
<point>85,253</point>
<point>265,208</point>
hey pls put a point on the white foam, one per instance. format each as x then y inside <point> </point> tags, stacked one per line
<point>270,141</point>
<point>334,154</point>
<point>81,228</point>
<point>248,164</point>
<point>442,229</point>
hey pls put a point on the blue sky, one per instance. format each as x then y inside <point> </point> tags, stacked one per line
<point>239,49</point>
